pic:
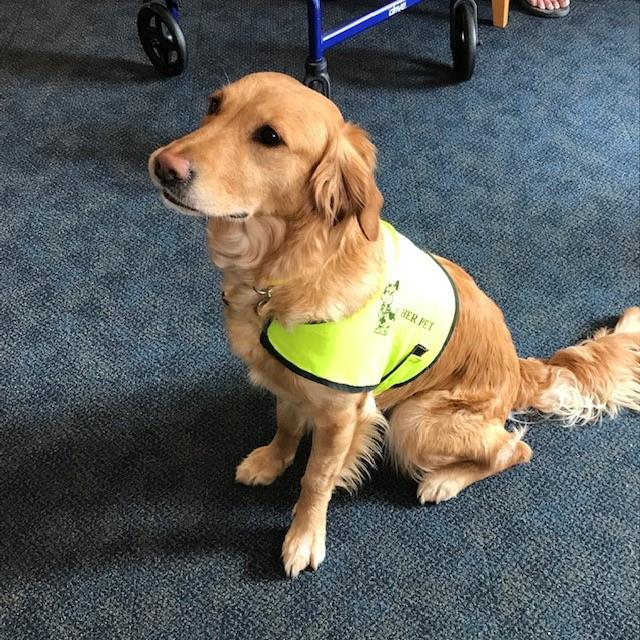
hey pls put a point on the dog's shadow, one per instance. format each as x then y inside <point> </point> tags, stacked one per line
<point>134,480</point>
<point>151,476</point>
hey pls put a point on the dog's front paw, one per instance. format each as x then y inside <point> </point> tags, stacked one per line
<point>303,547</point>
<point>261,466</point>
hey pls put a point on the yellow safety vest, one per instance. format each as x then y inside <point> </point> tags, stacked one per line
<point>394,338</point>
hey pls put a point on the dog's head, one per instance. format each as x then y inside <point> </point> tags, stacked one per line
<point>269,146</point>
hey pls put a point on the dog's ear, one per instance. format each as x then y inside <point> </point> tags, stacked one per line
<point>343,183</point>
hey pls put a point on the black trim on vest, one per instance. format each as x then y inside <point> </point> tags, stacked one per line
<point>264,341</point>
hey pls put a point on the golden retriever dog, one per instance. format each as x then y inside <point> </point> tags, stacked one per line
<point>293,220</point>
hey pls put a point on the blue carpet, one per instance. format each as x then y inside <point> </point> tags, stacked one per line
<point>123,414</point>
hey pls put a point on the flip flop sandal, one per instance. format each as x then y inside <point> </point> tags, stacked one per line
<point>545,13</point>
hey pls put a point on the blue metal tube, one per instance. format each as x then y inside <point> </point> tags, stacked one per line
<point>314,23</point>
<point>366,21</point>
<point>319,42</point>
<point>172,5</point>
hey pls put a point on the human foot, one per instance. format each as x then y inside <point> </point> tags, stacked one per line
<point>547,8</point>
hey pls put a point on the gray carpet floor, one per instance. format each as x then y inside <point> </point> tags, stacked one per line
<point>123,413</point>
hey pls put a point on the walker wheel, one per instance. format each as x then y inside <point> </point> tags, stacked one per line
<point>464,38</point>
<point>162,39</point>
<point>321,84</point>
<point>316,76</point>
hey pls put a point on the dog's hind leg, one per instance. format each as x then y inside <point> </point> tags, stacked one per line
<point>264,464</point>
<point>447,444</point>
<point>448,481</point>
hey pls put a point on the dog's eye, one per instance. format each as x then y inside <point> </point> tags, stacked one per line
<point>268,136</point>
<point>214,105</point>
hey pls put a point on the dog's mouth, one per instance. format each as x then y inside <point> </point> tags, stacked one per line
<point>173,200</point>
<point>169,197</point>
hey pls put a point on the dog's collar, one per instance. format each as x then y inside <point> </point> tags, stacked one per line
<point>264,293</point>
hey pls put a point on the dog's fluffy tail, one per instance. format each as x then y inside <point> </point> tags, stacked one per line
<point>582,383</point>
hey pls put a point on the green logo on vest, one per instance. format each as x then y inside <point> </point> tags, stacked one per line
<point>387,315</point>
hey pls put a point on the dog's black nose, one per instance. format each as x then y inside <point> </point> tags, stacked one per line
<point>170,168</point>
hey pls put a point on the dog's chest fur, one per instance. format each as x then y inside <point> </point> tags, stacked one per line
<point>244,326</point>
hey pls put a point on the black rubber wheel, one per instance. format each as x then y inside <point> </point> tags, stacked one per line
<point>464,39</point>
<point>162,39</point>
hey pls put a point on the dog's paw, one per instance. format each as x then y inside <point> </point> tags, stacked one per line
<point>261,466</point>
<point>437,488</point>
<point>302,548</point>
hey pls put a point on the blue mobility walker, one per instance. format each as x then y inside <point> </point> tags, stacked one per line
<point>165,45</point>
